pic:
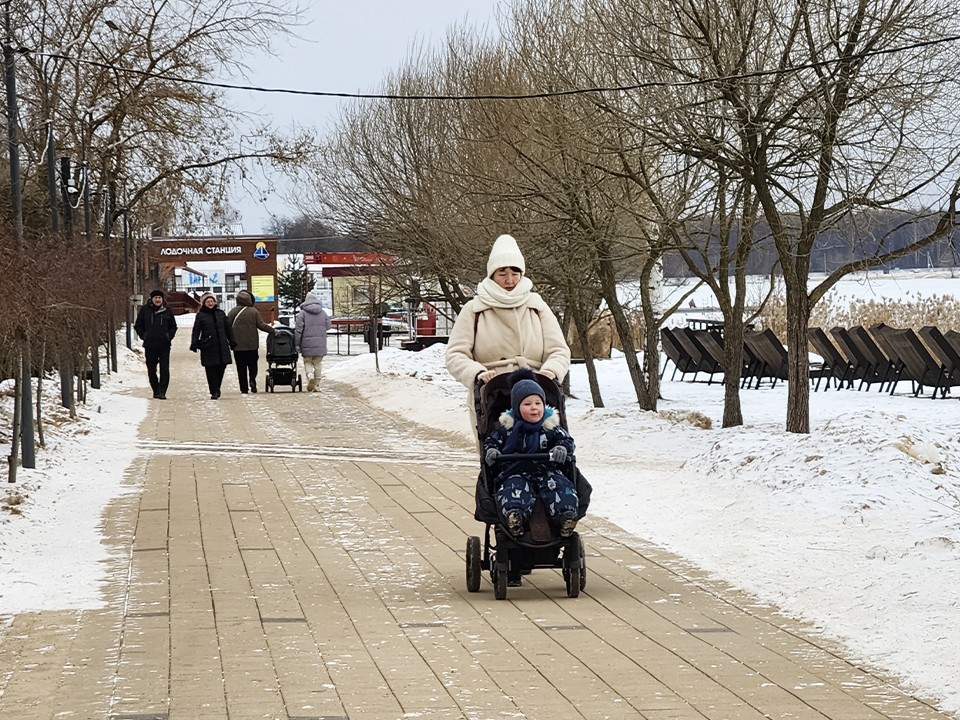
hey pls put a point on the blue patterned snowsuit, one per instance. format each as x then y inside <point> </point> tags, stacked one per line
<point>519,484</point>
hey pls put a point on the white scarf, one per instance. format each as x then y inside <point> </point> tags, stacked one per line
<point>495,296</point>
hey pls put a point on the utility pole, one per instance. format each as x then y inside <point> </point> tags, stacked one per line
<point>66,355</point>
<point>27,450</point>
<point>88,240</point>
<point>107,230</point>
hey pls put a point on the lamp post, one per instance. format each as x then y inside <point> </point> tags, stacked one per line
<point>107,230</point>
<point>13,137</point>
<point>126,276</point>
<point>27,450</point>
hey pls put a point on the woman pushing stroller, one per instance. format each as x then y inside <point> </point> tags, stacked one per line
<point>505,325</point>
<point>531,426</point>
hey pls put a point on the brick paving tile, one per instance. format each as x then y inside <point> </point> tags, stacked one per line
<point>294,556</point>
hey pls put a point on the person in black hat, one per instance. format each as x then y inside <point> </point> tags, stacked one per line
<point>156,326</point>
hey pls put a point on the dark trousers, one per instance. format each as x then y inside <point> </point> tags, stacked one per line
<point>161,359</point>
<point>215,377</point>
<point>246,361</point>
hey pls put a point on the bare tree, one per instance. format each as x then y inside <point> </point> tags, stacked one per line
<point>385,175</point>
<point>543,156</point>
<point>823,109</point>
<point>122,85</point>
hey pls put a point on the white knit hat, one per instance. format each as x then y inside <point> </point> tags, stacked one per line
<point>505,253</point>
<point>312,295</point>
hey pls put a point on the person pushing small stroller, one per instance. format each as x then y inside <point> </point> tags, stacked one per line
<point>531,426</point>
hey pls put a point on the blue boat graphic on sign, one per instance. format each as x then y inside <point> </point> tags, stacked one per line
<point>261,252</point>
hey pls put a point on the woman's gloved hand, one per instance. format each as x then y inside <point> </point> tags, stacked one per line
<point>486,376</point>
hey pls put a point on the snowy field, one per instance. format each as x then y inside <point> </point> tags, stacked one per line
<point>854,527</point>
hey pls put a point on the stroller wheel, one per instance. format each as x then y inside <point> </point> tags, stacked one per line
<point>575,573</point>
<point>583,563</point>
<point>299,383</point>
<point>499,583</point>
<point>473,564</point>
<point>572,576</point>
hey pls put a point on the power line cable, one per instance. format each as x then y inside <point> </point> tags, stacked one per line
<point>507,96</point>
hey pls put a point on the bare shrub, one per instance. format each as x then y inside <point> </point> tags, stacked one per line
<point>59,296</point>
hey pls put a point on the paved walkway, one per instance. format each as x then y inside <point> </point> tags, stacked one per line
<point>299,556</point>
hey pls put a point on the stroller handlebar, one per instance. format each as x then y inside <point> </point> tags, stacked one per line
<point>532,457</point>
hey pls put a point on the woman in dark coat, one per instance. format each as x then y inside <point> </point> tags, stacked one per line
<point>213,337</point>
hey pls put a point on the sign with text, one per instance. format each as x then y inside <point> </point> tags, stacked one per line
<point>263,288</point>
<point>181,250</point>
<point>347,258</point>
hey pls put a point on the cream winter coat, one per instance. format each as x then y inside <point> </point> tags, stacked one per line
<point>502,339</point>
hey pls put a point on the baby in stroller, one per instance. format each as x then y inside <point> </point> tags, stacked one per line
<point>532,426</point>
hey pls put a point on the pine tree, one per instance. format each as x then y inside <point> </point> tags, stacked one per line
<point>294,283</point>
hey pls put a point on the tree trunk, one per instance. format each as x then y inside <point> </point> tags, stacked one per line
<point>94,357</point>
<point>39,410</point>
<point>13,458</point>
<point>732,372</point>
<point>582,335</point>
<point>622,324</point>
<point>66,378</point>
<point>27,444</point>
<point>112,340</point>
<point>798,362</point>
<point>651,361</point>
<point>651,339</point>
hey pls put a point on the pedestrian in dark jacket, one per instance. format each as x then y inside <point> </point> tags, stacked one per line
<point>213,337</point>
<point>310,336</point>
<point>530,426</point>
<point>156,326</point>
<point>245,321</point>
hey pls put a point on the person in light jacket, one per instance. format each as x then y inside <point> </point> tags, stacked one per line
<point>505,326</point>
<point>213,337</point>
<point>245,321</point>
<point>310,337</point>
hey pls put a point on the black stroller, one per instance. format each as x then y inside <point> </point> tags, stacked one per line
<point>282,360</point>
<point>541,546</point>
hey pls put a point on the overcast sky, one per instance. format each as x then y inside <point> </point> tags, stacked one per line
<point>346,47</point>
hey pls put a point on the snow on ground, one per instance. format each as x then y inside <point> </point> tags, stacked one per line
<point>51,555</point>
<point>854,527</point>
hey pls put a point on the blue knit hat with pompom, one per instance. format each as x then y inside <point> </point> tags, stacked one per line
<point>524,386</point>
